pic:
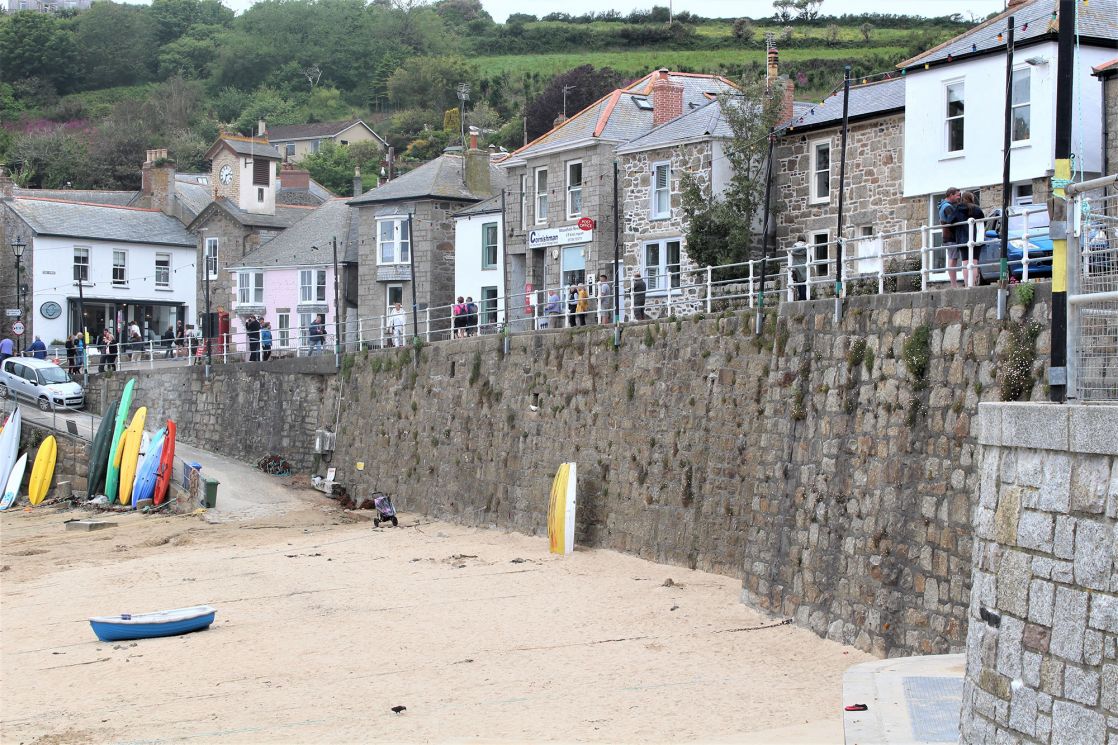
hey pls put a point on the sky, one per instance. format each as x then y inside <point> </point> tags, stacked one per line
<point>500,9</point>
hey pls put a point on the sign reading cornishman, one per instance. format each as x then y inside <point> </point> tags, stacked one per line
<point>559,236</point>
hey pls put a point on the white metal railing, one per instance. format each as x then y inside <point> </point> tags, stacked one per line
<point>1092,335</point>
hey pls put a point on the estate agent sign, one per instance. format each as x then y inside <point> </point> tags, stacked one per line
<point>559,236</point>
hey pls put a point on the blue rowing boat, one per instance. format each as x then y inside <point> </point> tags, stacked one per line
<point>149,625</point>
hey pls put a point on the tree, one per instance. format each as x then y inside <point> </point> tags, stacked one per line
<point>190,55</point>
<point>333,164</point>
<point>722,227</point>
<point>866,29</point>
<point>35,45</point>
<point>784,10</point>
<point>584,84</point>
<point>808,10</point>
<point>49,159</point>
<point>426,82</point>
<point>833,33</point>
<point>105,61</point>
<point>271,106</point>
<point>175,18</point>
<point>743,30</point>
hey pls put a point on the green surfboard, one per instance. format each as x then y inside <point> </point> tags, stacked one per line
<point>99,453</point>
<point>112,465</point>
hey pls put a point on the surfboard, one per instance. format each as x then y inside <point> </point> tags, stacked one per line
<point>9,445</point>
<point>144,484</point>
<point>11,491</point>
<point>112,464</point>
<point>99,452</point>
<point>166,465</point>
<point>43,471</point>
<point>561,510</point>
<point>130,454</point>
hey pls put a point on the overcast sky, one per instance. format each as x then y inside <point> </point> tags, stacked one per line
<point>500,9</point>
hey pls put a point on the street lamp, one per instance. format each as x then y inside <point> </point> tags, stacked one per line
<point>18,247</point>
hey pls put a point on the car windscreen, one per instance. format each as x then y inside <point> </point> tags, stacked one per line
<point>1037,222</point>
<point>49,375</point>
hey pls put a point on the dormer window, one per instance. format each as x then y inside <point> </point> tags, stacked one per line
<point>261,172</point>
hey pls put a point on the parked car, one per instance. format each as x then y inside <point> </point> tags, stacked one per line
<point>1038,241</point>
<point>41,381</point>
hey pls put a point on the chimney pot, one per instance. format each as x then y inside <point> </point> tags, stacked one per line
<point>262,128</point>
<point>474,131</point>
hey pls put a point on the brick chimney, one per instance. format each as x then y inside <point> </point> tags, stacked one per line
<point>294,179</point>
<point>157,178</point>
<point>358,186</point>
<point>558,120</point>
<point>772,67</point>
<point>667,98</point>
<point>783,84</point>
<point>476,163</point>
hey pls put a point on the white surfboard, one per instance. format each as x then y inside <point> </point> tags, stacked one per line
<point>11,491</point>
<point>9,444</point>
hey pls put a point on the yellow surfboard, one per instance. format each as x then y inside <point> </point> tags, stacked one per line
<point>561,510</point>
<point>43,471</point>
<point>130,453</point>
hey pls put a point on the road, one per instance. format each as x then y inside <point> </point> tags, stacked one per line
<point>244,492</point>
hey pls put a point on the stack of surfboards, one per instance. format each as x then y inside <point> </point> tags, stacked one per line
<point>13,465</point>
<point>127,464</point>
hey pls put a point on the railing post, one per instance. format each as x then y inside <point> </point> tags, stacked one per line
<point>427,326</point>
<point>1025,250</point>
<point>751,289</point>
<point>880,263</point>
<point>925,254</point>
<point>709,287</point>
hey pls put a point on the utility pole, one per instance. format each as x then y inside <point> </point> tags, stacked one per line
<point>414,302</point>
<point>1007,133</point>
<point>1057,204</point>
<point>337,312</point>
<point>85,334</point>
<point>565,89</point>
<point>839,244</point>
<point>759,320</point>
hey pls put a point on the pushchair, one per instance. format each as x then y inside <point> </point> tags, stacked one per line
<point>385,511</point>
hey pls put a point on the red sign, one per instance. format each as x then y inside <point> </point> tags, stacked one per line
<point>585,223</point>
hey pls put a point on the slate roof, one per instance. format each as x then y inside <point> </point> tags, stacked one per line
<point>251,146</point>
<point>100,222</point>
<point>705,121</point>
<point>486,207</point>
<point>872,99</point>
<point>623,115</point>
<point>89,196</point>
<point>192,195</point>
<point>294,246</point>
<point>440,178</point>
<point>285,216</point>
<point>1096,24</point>
<point>291,132</point>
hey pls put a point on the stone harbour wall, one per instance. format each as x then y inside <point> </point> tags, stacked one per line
<point>1042,648</point>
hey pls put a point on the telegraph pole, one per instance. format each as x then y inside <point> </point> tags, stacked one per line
<point>1007,133</point>
<point>839,244</point>
<point>337,312</point>
<point>1057,204</point>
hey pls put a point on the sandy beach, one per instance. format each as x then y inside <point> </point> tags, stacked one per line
<point>324,624</point>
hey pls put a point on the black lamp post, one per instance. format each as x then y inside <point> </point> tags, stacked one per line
<point>18,247</point>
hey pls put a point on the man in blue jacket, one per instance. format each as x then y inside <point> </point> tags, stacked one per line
<point>948,215</point>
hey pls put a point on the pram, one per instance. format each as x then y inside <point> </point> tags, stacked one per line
<point>385,511</point>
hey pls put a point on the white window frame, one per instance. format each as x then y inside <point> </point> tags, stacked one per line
<point>1026,105</point>
<point>524,201</point>
<point>663,278</point>
<point>389,291</point>
<point>656,193</point>
<point>289,150</point>
<point>163,273</point>
<point>817,195</point>
<point>487,247</point>
<point>574,191</point>
<point>487,306</point>
<point>122,266</point>
<point>312,285</point>
<point>400,236</point>
<point>948,85</point>
<point>305,321</point>
<point>938,252</point>
<point>81,268</point>
<point>820,265</point>
<point>540,197</point>
<point>250,287</point>
<point>283,329</point>
<point>211,257</point>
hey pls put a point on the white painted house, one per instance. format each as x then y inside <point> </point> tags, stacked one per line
<point>133,264</point>
<point>479,260</point>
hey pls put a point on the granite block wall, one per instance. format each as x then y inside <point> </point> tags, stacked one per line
<point>1042,648</point>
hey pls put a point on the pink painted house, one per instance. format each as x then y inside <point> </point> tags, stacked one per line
<point>289,281</point>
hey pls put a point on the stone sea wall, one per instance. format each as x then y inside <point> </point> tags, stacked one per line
<point>1042,649</point>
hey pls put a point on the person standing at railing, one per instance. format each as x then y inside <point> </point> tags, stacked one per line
<point>583,305</point>
<point>797,266</point>
<point>949,214</point>
<point>396,320</point>
<point>38,349</point>
<point>252,330</point>
<point>168,341</point>
<point>968,209</point>
<point>553,311</point>
<point>135,342</point>
<point>79,353</point>
<point>71,351</point>
<point>317,335</point>
<point>266,340</point>
<point>605,301</point>
<point>639,289</point>
<point>180,339</point>
<point>471,316</point>
<point>572,306</point>
<point>458,318</point>
<point>7,347</point>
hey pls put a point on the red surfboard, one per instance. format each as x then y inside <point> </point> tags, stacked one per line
<point>166,465</point>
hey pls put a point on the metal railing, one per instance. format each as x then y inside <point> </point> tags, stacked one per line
<point>1092,339</point>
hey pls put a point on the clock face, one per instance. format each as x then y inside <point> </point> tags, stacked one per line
<point>226,175</point>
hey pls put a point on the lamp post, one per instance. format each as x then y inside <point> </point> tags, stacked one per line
<point>18,247</point>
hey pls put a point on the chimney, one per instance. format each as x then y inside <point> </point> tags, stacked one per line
<point>294,179</point>
<point>787,108</point>
<point>558,120</point>
<point>667,98</point>
<point>261,128</point>
<point>358,187</point>
<point>1014,3</point>
<point>476,165</point>
<point>7,186</point>
<point>158,181</point>
<point>772,69</point>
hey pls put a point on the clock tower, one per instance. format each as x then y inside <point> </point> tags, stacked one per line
<point>243,171</point>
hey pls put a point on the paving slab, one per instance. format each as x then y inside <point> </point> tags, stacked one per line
<point>909,700</point>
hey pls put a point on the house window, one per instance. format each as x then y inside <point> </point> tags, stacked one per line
<point>488,310</point>
<point>1021,105</point>
<point>392,241</point>
<point>283,329</point>
<point>1023,193</point>
<point>954,117</point>
<point>661,265</point>
<point>820,253</point>
<point>541,196</point>
<point>821,171</point>
<point>312,286</point>
<point>574,189</point>
<point>261,172</point>
<point>259,194</point>
<point>289,150</point>
<point>305,321</point>
<point>163,270</point>
<point>120,268</point>
<point>81,263</point>
<point>250,288</point>
<point>661,190</point>
<point>489,245</point>
<point>393,294</point>
<point>523,201</point>
<point>211,257</point>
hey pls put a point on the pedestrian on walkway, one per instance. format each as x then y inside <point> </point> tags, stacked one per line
<point>639,290</point>
<point>471,317</point>
<point>38,349</point>
<point>252,330</point>
<point>266,340</point>
<point>135,342</point>
<point>553,311</point>
<point>605,300</point>
<point>168,341</point>
<point>797,265</point>
<point>396,321</point>
<point>583,305</point>
<point>318,334</point>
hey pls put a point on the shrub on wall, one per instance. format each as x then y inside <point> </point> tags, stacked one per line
<point>1016,373</point>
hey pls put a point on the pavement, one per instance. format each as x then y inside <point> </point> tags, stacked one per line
<point>909,700</point>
